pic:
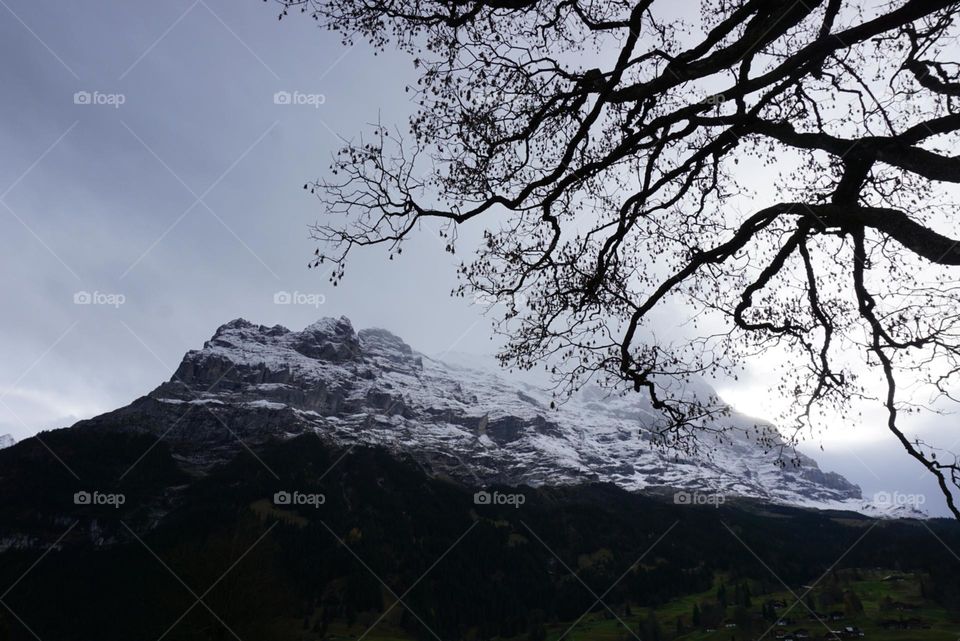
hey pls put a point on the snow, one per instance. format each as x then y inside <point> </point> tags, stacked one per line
<point>262,404</point>
<point>502,428</point>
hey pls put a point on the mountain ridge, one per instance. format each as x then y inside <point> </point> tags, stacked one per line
<point>255,382</point>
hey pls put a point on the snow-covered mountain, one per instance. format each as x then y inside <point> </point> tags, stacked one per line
<point>6,441</point>
<point>250,382</point>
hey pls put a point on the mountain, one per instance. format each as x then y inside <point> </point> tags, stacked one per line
<point>6,441</point>
<point>323,483</point>
<point>250,383</point>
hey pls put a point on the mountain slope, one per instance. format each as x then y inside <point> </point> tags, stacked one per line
<point>250,383</point>
<point>274,570</point>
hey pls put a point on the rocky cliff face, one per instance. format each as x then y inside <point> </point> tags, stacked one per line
<point>249,383</point>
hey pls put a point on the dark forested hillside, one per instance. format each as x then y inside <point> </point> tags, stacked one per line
<point>383,530</point>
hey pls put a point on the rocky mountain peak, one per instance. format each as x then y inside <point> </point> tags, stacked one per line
<point>329,339</point>
<point>256,383</point>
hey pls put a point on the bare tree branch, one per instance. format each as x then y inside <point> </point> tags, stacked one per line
<point>609,150</point>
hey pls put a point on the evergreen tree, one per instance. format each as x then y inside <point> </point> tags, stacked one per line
<point>886,604</point>
<point>741,617</point>
<point>538,632</point>
<point>696,616</point>
<point>651,629</point>
<point>852,605</point>
<point>722,595</point>
<point>765,610</point>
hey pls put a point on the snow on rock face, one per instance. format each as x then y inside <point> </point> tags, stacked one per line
<point>6,441</point>
<point>468,423</point>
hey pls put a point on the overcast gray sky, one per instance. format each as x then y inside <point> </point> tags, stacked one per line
<point>185,199</point>
<point>145,161</point>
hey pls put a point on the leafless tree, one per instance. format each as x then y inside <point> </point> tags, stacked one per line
<point>778,168</point>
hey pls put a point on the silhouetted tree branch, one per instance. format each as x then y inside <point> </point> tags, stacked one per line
<point>611,152</point>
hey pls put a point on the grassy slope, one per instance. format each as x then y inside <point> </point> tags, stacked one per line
<point>602,626</point>
<point>871,590</point>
